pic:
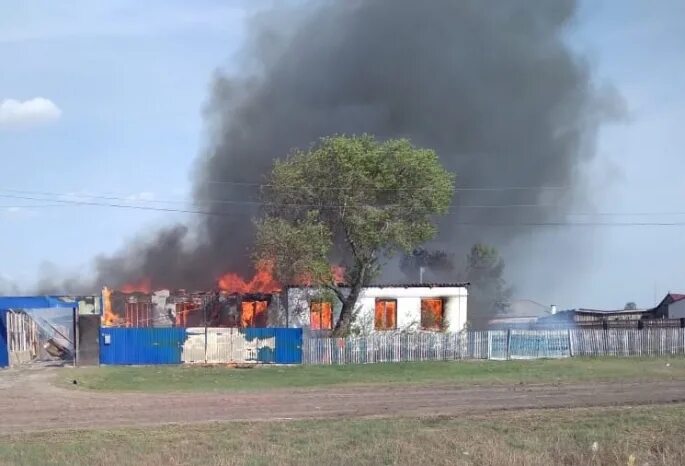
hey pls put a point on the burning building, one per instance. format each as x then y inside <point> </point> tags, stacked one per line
<point>165,308</point>
<point>235,302</point>
<point>380,308</point>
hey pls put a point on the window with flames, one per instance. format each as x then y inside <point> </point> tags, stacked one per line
<point>253,313</point>
<point>432,313</point>
<point>385,317</point>
<point>321,315</point>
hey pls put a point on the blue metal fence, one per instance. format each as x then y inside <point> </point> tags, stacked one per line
<point>4,350</point>
<point>288,344</point>
<point>140,346</point>
<point>147,346</point>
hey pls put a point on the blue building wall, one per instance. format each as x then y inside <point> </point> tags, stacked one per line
<point>141,346</point>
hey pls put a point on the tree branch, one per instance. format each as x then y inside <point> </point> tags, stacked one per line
<point>339,294</point>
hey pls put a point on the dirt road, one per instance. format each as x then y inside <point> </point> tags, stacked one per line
<point>30,402</point>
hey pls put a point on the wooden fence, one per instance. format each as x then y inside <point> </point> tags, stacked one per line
<point>496,344</point>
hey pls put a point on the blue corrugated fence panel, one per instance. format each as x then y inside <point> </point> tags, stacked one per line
<point>141,346</point>
<point>288,346</point>
<point>277,345</point>
<point>265,343</point>
<point>4,350</point>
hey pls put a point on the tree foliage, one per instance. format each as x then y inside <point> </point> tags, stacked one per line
<point>488,294</point>
<point>630,306</point>
<point>351,200</point>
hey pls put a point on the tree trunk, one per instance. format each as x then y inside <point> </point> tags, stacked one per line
<point>342,328</point>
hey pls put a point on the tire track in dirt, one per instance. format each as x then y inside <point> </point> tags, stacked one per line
<point>30,402</point>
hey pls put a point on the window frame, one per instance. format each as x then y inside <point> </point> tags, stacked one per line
<point>441,325</point>
<point>320,312</point>
<point>375,307</point>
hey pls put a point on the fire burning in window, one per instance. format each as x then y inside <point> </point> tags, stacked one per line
<point>432,313</point>
<point>253,313</point>
<point>386,314</point>
<point>321,315</point>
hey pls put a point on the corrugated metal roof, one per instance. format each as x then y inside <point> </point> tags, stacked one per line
<point>35,302</point>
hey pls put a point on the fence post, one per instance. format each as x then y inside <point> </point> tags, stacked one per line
<point>204,318</point>
<point>570,343</point>
<point>508,343</point>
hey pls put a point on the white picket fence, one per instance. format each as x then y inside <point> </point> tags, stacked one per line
<point>497,345</point>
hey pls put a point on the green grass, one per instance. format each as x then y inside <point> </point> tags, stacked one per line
<point>652,435</point>
<point>194,378</point>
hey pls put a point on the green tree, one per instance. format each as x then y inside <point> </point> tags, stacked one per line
<point>488,294</point>
<point>630,306</point>
<point>353,201</point>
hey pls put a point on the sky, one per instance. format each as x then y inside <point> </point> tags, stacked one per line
<point>106,98</point>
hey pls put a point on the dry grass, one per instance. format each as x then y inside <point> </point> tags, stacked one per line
<point>650,435</point>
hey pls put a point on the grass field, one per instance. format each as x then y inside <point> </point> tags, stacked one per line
<point>193,378</point>
<point>651,435</point>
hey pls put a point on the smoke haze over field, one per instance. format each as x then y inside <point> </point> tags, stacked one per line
<point>491,86</point>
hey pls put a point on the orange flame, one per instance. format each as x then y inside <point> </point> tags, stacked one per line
<point>144,285</point>
<point>253,313</point>
<point>109,318</point>
<point>262,282</point>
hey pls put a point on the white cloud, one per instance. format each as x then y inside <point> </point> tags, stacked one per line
<point>17,113</point>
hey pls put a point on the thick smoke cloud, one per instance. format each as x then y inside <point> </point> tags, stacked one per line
<point>490,85</point>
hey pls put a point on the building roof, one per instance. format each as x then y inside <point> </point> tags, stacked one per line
<point>399,285</point>
<point>608,311</point>
<point>669,299</point>
<point>35,302</point>
<point>419,285</point>
<point>676,297</point>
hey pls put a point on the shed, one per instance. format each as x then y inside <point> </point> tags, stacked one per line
<point>8,303</point>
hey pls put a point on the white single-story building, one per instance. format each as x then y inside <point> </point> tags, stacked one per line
<point>396,307</point>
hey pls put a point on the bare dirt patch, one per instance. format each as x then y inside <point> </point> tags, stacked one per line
<point>31,402</point>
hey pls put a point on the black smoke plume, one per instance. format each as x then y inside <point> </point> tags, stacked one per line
<point>492,86</point>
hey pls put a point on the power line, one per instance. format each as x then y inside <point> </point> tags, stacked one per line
<point>79,198</point>
<point>479,224</point>
<point>347,188</point>
<point>244,202</point>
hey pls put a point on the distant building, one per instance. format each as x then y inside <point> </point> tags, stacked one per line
<point>671,307</point>
<point>380,308</point>
<point>597,317</point>
<point>521,313</point>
